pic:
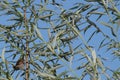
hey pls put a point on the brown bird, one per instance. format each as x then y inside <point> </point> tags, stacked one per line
<point>19,65</point>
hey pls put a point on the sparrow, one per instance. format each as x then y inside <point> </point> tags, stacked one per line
<point>19,65</point>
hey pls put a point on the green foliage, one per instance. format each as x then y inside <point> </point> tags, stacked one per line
<point>59,39</point>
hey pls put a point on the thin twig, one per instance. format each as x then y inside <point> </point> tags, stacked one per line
<point>27,48</point>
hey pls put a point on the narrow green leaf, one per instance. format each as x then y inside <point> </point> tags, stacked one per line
<point>94,57</point>
<point>91,36</point>
<point>111,27</point>
<point>101,43</point>
<point>38,32</point>
<point>3,52</point>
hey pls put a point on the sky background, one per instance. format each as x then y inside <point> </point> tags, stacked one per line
<point>111,61</point>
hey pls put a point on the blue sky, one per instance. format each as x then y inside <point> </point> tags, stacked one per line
<point>95,42</point>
